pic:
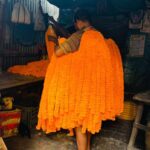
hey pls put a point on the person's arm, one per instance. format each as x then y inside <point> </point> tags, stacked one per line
<point>58,51</point>
<point>70,45</point>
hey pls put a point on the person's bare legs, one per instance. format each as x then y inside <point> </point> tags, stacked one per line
<point>89,140</point>
<point>81,139</point>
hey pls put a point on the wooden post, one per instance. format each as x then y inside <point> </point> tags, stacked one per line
<point>2,145</point>
<point>147,138</point>
<point>2,3</point>
<point>135,129</point>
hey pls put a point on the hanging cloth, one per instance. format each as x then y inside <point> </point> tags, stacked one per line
<point>136,19</point>
<point>39,24</point>
<point>20,14</point>
<point>50,9</point>
<point>146,22</point>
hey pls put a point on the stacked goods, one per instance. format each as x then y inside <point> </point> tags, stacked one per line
<point>129,111</point>
<point>83,88</point>
<point>9,122</point>
<point>136,45</point>
<point>9,117</point>
<point>146,22</point>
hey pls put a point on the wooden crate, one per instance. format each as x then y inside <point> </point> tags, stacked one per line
<point>28,115</point>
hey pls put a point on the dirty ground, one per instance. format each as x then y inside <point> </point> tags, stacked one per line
<point>113,136</point>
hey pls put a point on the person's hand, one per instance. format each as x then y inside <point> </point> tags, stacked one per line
<point>52,31</point>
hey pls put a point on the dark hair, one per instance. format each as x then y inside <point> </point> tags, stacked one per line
<point>83,15</point>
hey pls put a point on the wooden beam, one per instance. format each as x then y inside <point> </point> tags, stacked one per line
<point>142,127</point>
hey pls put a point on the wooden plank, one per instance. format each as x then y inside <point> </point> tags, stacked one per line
<point>142,127</point>
<point>9,80</point>
<point>143,97</point>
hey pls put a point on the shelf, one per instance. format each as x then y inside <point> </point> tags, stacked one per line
<point>128,56</point>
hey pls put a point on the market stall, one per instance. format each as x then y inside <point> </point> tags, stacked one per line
<point>32,31</point>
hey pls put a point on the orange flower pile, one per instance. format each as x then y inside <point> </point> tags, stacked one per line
<point>83,88</point>
<point>36,68</point>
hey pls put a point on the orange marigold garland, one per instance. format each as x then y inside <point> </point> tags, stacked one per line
<point>80,88</point>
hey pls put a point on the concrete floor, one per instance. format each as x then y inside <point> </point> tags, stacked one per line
<point>113,136</point>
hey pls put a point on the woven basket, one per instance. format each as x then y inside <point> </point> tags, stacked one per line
<point>129,112</point>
